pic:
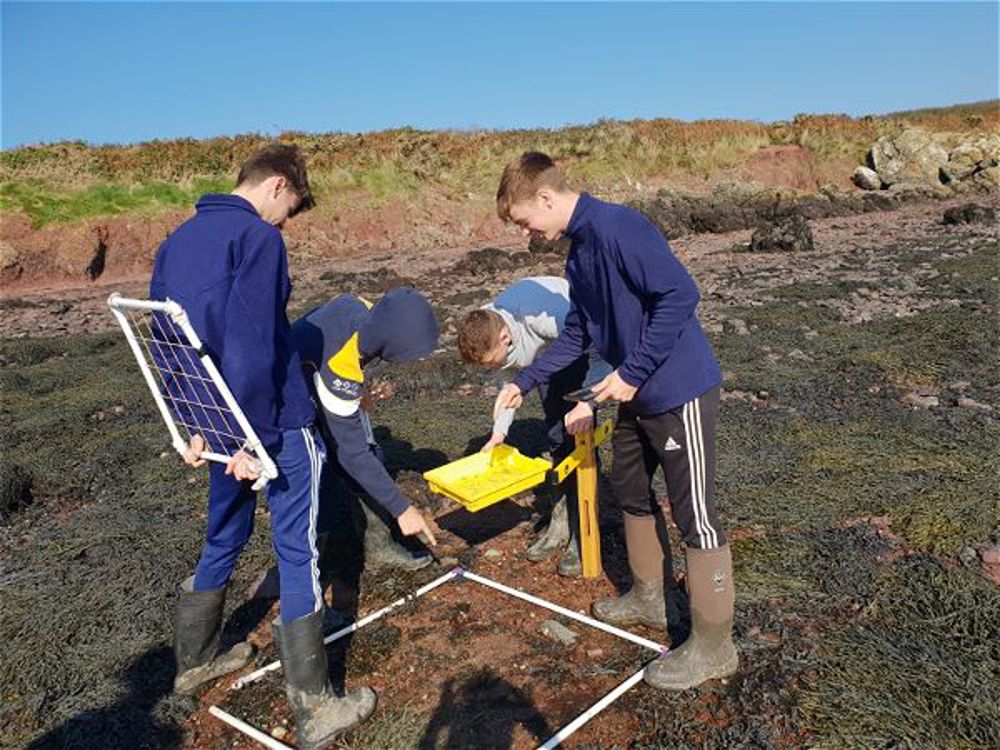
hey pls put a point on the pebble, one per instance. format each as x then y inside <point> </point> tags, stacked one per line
<point>492,554</point>
<point>559,632</point>
<point>920,400</point>
<point>970,403</point>
<point>279,733</point>
<point>991,555</point>
<point>737,326</point>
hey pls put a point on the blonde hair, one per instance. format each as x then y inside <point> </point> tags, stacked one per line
<point>478,334</point>
<point>524,177</point>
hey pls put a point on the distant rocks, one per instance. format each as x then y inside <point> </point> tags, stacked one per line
<point>867,179</point>
<point>970,213</point>
<point>786,233</point>
<point>915,161</point>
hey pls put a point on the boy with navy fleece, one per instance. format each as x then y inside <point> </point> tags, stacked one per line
<point>336,341</point>
<point>634,301</point>
<point>227,266</point>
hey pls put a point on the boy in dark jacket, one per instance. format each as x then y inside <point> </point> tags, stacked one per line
<point>227,266</point>
<point>335,342</point>
<point>634,301</point>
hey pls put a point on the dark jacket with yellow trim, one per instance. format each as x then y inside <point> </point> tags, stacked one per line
<point>335,341</point>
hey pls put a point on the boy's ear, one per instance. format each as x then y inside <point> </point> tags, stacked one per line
<point>545,195</point>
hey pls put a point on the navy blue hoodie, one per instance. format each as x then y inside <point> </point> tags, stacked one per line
<point>633,299</point>
<point>228,269</point>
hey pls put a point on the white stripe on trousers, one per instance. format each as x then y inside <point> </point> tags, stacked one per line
<point>691,414</point>
<point>316,466</point>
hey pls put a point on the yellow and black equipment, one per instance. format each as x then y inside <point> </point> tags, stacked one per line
<point>482,479</point>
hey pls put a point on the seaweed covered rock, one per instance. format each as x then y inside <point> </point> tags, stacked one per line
<point>970,213</point>
<point>15,490</point>
<point>786,233</point>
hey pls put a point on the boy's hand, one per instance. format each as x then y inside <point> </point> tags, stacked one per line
<point>243,466</point>
<point>510,397</point>
<point>579,419</point>
<point>412,522</point>
<point>613,388</point>
<point>195,448</point>
<point>495,440</point>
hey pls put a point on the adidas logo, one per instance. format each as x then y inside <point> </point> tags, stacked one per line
<point>671,445</point>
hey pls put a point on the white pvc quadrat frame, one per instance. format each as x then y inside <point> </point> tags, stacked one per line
<point>456,574</point>
<point>123,309</point>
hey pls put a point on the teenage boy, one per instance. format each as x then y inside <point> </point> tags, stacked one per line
<point>635,302</point>
<point>336,341</point>
<point>508,333</point>
<point>227,266</point>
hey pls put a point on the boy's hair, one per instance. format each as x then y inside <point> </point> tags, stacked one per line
<point>284,160</point>
<point>478,334</point>
<point>524,177</point>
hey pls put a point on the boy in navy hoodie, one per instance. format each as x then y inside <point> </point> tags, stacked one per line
<point>633,300</point>
<point>227,266</point>
<point>336,341</point>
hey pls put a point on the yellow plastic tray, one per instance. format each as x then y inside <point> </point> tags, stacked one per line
<point>482,479</point>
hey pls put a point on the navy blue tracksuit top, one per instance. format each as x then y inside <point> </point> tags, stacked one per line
<point>631,298</point>
<point>228,269</point>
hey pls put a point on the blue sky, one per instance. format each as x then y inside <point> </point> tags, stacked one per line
<point>127,72</point>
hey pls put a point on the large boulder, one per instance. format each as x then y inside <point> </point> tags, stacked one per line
<point>912,156</point>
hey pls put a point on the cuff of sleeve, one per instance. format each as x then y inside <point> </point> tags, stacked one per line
<point>630,377</point>
<point>524,381</point>
<point>396,505</point>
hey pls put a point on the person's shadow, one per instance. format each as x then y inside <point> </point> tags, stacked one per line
<point>132,721</point>
<point>482,713</point>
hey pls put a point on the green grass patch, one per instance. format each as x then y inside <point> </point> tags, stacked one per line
<point>45,205</point>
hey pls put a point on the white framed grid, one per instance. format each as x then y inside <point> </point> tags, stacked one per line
<point>457,574</point>
<point>190,392</point>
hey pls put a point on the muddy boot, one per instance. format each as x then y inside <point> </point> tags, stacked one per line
<point>382,551</point>
<point>709,653</point>
<point>569,564</point>
<point>554,537</point>
<point>320,715</point>
<point>197,628</point>
<point>645,602</point>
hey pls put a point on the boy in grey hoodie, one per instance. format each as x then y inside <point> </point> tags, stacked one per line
<point>507,334</point>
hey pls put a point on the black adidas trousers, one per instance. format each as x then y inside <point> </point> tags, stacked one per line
<point>682,442</point>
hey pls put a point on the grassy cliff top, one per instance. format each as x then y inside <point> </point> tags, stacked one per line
<point>68,181</point>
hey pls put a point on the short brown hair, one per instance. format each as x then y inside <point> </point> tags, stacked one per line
<point>284,160</point>
<point>478,333</point>
<point>524,177</point>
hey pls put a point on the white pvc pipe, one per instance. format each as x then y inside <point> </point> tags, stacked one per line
<point>250,731</point>
<point>652,645</point>
<point>451,574</point>
<point>591,712</point>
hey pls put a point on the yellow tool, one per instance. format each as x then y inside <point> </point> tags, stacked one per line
<point>482,479</point>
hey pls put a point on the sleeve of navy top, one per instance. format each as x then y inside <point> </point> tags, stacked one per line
<point>255,313</point>
<point>572,342</point>
<point>361,463</point>
<point>668,293</point>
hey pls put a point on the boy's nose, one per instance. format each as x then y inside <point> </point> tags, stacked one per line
<point>525,231</point>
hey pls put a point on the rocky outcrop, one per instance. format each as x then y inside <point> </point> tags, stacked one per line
<point>915,161</point>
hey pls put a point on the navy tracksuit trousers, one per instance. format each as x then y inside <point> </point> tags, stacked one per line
<point>293,502</point>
